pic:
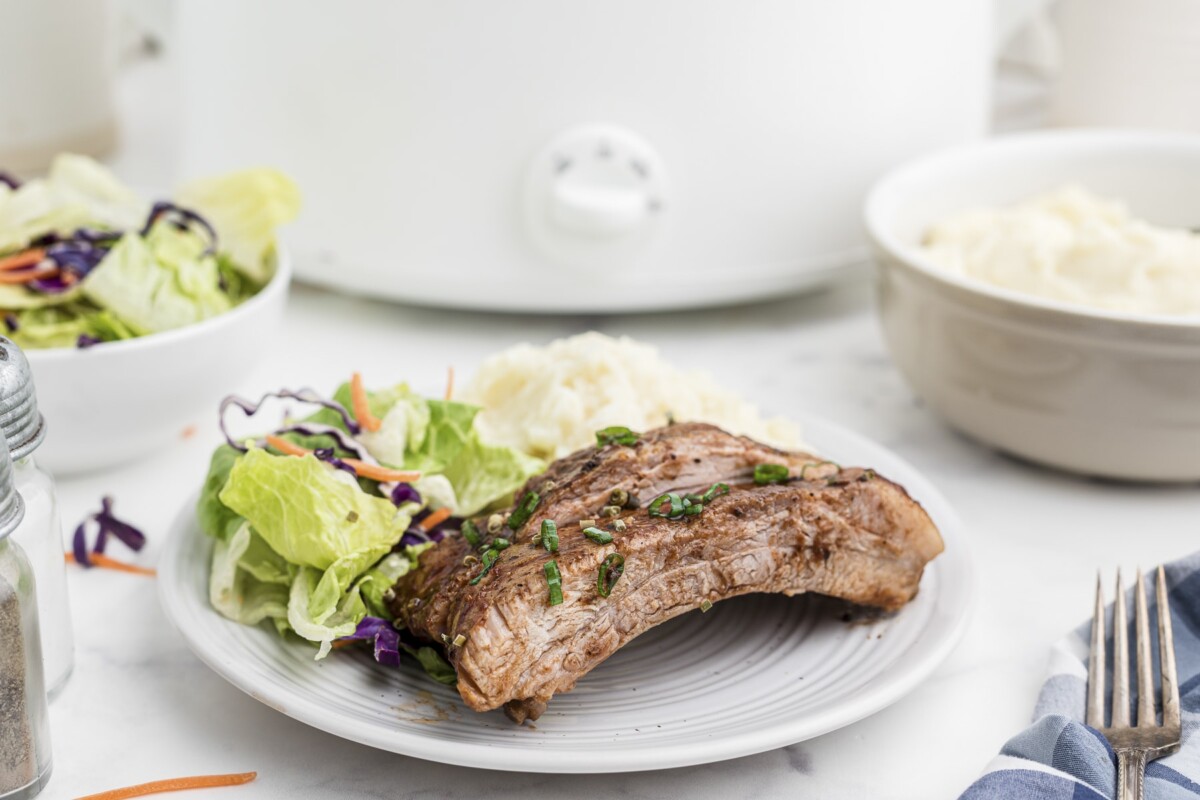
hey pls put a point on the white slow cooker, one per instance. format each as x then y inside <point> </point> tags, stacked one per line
<point>556,155</point>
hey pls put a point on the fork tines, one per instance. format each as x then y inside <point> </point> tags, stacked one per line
<point>1147,717</point>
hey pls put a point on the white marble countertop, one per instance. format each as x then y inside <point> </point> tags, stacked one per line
<point>141,707</point>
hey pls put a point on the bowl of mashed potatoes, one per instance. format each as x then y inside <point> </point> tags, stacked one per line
<point>1042,293</point>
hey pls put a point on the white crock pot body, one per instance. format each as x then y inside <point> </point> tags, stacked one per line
<point>545,156</point>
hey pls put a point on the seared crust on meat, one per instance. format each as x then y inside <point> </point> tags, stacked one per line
<point>842,532</point>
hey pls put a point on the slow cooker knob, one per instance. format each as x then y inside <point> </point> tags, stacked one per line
<point>594,197</point>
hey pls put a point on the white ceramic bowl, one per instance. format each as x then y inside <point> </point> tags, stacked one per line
<point>116,401</point>
<point>1098,392</point>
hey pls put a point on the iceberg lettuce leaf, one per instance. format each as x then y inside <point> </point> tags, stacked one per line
<point>158,282</point>
<point>78,192</point>
<point>318,519</point>
<point>215,518</point>
<point>245,207</point>
<point>484,474</point>
<point>235,592</point>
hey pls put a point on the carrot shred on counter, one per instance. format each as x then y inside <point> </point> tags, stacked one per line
<point>434,519</point>
<point>101,560</point>
<point>362,409</point>
<point>27,258</point>
<point>174,785</point>
<point>449,383</point>
<point>11,277</point>
<point>361,468</point>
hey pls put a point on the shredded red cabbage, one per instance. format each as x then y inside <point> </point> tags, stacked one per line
<point>385,637</point>
<point>303,395</point>
<point>418,535</point>
<point>329,456</point>
<point>183,218</point>
<point>405,493</point>
<point>413,536</point>
<point>106,525</point>
<point>85,341</point>
<point>95,236</point>
<point>56,284</point>
<point>9,181</point>
<point>340,438</point>
<point>81,257</point>
<point>11,322</point>
<point>77,254</point>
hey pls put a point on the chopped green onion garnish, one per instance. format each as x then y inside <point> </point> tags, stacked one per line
<point>587,523</point>
<point>693,498</point>
<point>669,505</point>
<point>459,640</point>
<point>619,525</point>
<point>553,581</point>
<point>489,558</point>
<point>694,510</point>
<point>470,533</point>
<point>524,511</point>
<point>715,491</point>
<point>617,434</point>
<point>500,543</point>
<point>705,605</point>
<point>619,497</point>
<point>610,572</point>
<point>610,511</point>
<point>495,523</point>
<point>770,473</point>
<point>598,536</point>
<point>550,535</point>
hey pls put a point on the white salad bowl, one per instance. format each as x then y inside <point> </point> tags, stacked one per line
<point>116,401</point>
<point>1098,392</point>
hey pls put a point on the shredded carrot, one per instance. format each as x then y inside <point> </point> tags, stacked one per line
<point>286,447</point>
<point>188,432</point>
<point>101,560</point>
<point>449,383</point>
<point>434,519</point>
<point>362,409</point>
<point>24,259</point>
<point>361,468</point>
<point>381,474</point>
<point>174,785</point>
<point>338,644</point>
<point>10,277</point>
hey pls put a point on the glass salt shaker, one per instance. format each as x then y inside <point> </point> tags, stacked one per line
<point>40,533</point>
<point>24,729</point>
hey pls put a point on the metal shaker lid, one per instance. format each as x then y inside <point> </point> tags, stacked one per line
<point>22,423</point>
<point>12,507</point>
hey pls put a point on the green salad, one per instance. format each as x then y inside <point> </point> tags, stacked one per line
<point>314,522</point>
<point>85,260</point>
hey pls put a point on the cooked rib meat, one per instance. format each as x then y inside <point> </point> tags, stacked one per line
<point>685,457</point>
<point>848,534</point>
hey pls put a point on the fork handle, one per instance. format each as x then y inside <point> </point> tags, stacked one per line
<point>1131,774</point>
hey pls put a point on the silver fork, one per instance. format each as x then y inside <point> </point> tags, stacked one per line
<point>1138,745</point>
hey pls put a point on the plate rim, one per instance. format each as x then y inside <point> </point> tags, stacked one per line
<point>957,590</point>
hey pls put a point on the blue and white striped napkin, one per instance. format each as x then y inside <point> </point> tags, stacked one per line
<point>1060,758</point>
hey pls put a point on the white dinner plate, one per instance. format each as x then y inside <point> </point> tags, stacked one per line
<point>752,674</point>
